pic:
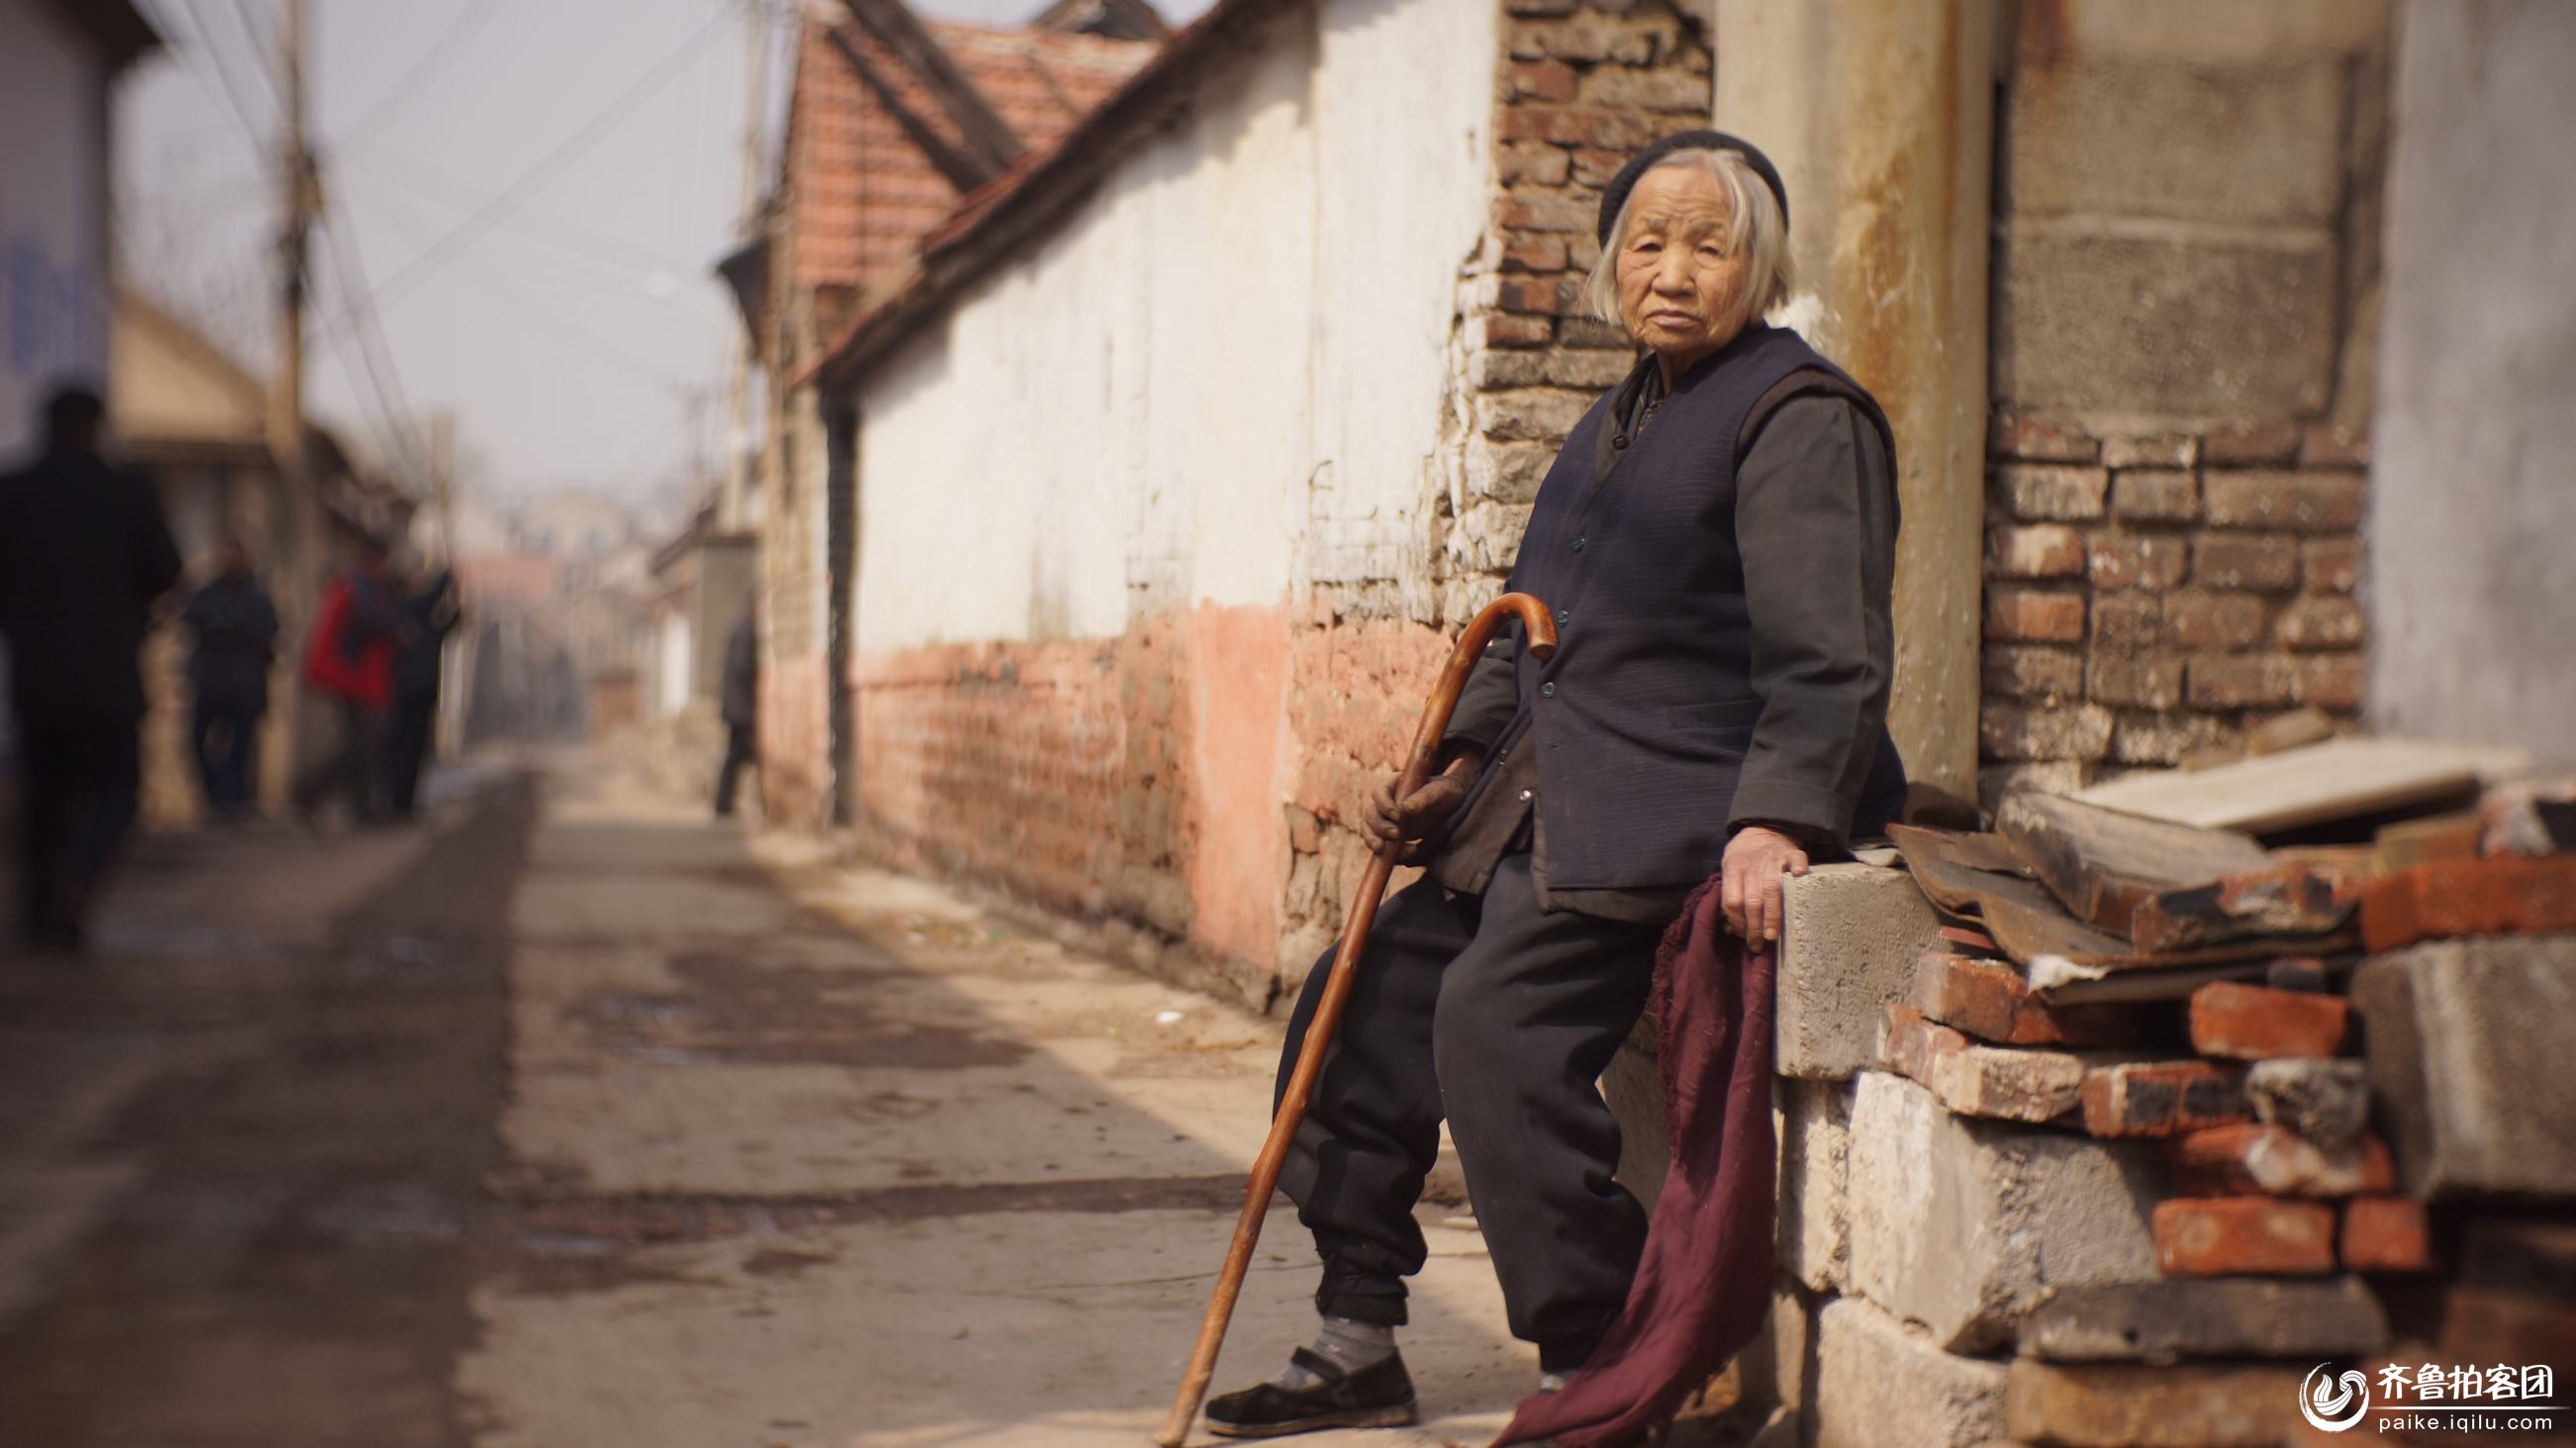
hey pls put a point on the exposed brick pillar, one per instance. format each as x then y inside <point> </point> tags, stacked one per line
<point>1578,87</point>
<point>2181,384</point>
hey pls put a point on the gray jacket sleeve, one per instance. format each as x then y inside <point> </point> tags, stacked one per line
<point>1815,518</point>
<point>1492,696</point>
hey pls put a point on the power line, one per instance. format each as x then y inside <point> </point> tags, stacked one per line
<point>227,89</point>
<point>536,178</point>
<point>537,315</point>
<point>382,381</point>
<point>432,63</point>
<point>262,52</point>
<point>197,60</point>
<point>536,225</point>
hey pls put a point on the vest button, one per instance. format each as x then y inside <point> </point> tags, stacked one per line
<point>1578,545</point>
<point>1547,691</point>
<point>1564,615</point>
<point>1619,443</point>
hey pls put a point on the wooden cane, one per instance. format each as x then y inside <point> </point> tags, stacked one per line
<point>1539,634</point>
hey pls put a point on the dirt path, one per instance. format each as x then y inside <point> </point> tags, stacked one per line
<point>307,1114</point>
<point>857,1164</point>
<point>595,1124</point>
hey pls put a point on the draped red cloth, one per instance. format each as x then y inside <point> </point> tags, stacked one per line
<point>1704,1282</point>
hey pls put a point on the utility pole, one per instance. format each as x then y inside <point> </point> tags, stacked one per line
<point>296,186</point>
<point>733,508</point>
<point>456,664</point>
<point>442,480</point>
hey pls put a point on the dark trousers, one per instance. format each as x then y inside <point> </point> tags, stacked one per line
<point>353,765</point>
<point>225,739</point>
<point>83,782</point>
<point>742,747</point>
<point>1501,1017</point>
<point>410,735</point>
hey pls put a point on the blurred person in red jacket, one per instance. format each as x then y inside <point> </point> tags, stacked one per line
<point>349,660</point>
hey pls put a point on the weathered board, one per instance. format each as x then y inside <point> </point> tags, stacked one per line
<point>1957,872</point>
<point>2339,779</point>
<point>2103,864</point>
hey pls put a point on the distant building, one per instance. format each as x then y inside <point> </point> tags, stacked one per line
<point>701,583</point>
<point>196,421</point>
<point>577,527</point>
<point>878,159</point>
<point>58,61</point>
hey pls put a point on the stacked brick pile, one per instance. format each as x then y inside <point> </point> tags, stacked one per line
<point>2146,1217</point>
<point>2248,1144</point>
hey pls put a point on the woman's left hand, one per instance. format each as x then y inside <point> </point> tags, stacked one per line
<point>1757,859</point>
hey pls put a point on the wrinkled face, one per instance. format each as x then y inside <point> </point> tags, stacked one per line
<point>1678,287</point>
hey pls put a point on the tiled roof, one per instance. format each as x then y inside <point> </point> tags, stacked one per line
<point>861,194</point>
<point>1036,191</point>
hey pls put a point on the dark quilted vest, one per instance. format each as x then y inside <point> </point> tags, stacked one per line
<point>1643,717</point>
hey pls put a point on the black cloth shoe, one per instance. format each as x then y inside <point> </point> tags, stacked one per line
<point>1378,1396</point>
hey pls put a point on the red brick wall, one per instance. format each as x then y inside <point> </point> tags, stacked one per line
<point>795,748</point>
<point>2149,597</point>
<point>1133,782</point>
<point>1009,761</point>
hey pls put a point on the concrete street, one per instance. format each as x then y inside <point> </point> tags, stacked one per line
<point>574,1119</point>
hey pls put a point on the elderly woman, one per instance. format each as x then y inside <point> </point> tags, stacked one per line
<point>1717,540</point>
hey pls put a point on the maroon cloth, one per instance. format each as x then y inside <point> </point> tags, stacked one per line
<point>1704,1282</point>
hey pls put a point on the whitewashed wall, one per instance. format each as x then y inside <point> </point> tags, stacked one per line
<point>53,209</point>
<point>1223,376</point>
<point>2473,472</point>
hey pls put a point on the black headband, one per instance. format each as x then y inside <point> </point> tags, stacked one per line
<point>1626,180</point>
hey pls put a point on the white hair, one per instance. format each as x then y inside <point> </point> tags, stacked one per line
<point>1754,230</point>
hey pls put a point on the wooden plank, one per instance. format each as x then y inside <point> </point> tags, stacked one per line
<point>2408,843</point>
<point>2027,924</point>
<point>1952,869</point>
<point>2282,903</point>
<point>2103,864</point>
<point>2029,934</point>
<point>2339,779</point>
<point>2026,931</point>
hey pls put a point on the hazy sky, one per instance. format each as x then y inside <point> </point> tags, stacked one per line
<point>581,339</point>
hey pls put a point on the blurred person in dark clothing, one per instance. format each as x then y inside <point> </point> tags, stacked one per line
<point>84,552</point>
<point>349,660</point>
<point>739,703</point>
<point>434,608</point>
<point>233,627</point>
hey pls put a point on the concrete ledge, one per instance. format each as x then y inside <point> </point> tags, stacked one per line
<point>2213,1317</point>
<point>1848,948</point>
<point>1812,1122</point>
<point>1964,1226</point>
<point>2467,1046</point>
<point>1880,1384</point>
<point>2207,1405</point>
